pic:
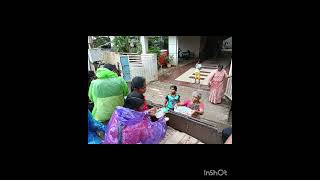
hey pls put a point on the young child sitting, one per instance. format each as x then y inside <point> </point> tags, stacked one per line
<point>172,99</point>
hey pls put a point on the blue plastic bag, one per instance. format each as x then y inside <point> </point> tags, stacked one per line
<point>93,127</point>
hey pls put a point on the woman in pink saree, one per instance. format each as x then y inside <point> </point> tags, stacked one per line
<point>216,79</point>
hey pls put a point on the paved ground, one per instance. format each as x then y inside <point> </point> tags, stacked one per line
<point>217,115</point>
<point>176,137</point>
<point>156,92</point>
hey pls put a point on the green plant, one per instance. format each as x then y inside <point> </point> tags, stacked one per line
<point>127,44</point>
<point>158,41</point>
<point>100,40</point>
<point>135,46</point>
<point>169,59</point>
<point>154,41</point>
<point>121,43</point>
<point>155,50</point>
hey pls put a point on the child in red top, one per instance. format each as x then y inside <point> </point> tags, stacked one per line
<point>195,104</point>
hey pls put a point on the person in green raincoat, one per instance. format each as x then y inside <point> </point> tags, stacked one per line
<point>107,92</point>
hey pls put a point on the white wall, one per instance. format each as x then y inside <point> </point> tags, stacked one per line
<point>228,43</point>
<point>173,48</point>
<point>144,44</point>
<point>191,43</point>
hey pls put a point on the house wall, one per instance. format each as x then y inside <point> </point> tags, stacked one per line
<point>173,48</point>
<point>112,58</point>
<point>191,43</point>
<point>227,43</point>
<point>96,54</point>
<point>209,44</point>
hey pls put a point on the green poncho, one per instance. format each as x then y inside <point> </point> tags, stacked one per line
<point>107,92</point>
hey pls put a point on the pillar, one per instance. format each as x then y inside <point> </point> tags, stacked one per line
<point>173,48</point>
<point>144,44</point>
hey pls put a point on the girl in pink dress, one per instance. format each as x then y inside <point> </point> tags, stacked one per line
<point>216,79</point>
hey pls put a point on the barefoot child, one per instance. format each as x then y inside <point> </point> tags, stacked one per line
<point>172,99</point>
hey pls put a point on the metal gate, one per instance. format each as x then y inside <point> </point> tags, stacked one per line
<point>144,65</point>
<point>124,60</point>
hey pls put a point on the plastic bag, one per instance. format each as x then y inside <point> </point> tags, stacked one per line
<point>93,127</point>
<point>127,126</point>
<point>183,110</point>
<point>161,112</point>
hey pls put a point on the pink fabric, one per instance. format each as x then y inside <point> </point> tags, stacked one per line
<point>137,128</point>
<point>188,103</point>
<point>145,105</point>
<point>216,86</point>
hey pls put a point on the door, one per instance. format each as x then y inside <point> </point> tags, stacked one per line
<point>124,60</point>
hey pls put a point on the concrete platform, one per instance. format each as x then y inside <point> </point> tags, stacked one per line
<point>189,76</point>
<point>176,137</point>
<point>213,114</point>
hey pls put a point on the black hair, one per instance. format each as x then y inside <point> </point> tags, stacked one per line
<point>137,82</point>
<point>134,100</point>
<point>111,67</point>
<point>91,76</point>
<point>174,87</point>
<point>220,65</point>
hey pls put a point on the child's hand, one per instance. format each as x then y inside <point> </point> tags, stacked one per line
<point>153,111</point>
<point>193,112</point>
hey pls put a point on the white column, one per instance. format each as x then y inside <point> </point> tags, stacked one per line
<point>90,65</point>
<point>90,41</point>
<point>228,91</point>
<point>111,39</point>
<point>89,68</point>
<point>173,48</point>
<point>144,44</point>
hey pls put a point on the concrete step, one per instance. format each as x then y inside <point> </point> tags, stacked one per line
<point>176,137</point>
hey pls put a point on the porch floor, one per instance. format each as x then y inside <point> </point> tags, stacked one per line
<point>214,114</point>
<point>176,137</point>
<point>182,75</point>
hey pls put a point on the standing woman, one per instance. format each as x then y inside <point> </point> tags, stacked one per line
<point>216,84</point>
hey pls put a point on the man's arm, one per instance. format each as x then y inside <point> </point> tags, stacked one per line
<point>166,101</point>
<point>125,87</point>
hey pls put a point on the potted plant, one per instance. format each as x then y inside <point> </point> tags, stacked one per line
<point>169,60</point>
